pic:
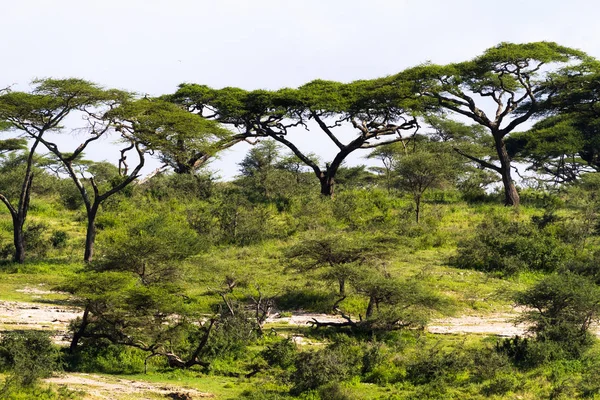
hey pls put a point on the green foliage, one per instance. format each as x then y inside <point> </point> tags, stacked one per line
<point>105,357</point>
<point>36,240</point>
<point>436,363</point>
<point>59,239</point>
<point>422,170</point>
<point>506,246</point>
<point>317,368</point>
<point>28,356</point>
<point>282,354</point>
<point>561,309</point>
<point>149,244</point>
<point>339,254</point>
<point>179,186</point>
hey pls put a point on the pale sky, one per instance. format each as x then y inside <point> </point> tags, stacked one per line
<point>151,46</point>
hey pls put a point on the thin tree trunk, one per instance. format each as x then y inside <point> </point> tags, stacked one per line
<point>90,236</point>
<point>80,331</point>
<point>342,283</point>
<point>417,207</point>
<point>370,308</point>
<point>19,239</point>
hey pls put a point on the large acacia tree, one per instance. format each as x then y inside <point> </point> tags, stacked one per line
<point>511,80</point>
<point>378,111</point>
<point>143,125</point>
<point>567,142</point>
<point>33,115</point>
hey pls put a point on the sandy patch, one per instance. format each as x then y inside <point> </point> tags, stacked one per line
<point>99,387</point>
<point>19,316</point>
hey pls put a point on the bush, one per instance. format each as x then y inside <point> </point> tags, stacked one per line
<point>28,356</point>
<point>36,241</point>
<point>335,391</point>
<point>317,368</point>
<point>435,364</point>
<point>58,239</point>
<point>561,309</point>
<point>282,354</point>
<point>102,356</point>
<point>501,384</point>
<point>507,246</point>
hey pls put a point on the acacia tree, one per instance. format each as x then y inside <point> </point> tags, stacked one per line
<point>144,125</point>
<point>424,169</point>
<point>513,78</point>
<point>339,254</point>
<point>567,142</point>
<point>374,109</point>
<point>186,144</point>
<point>33,115</point>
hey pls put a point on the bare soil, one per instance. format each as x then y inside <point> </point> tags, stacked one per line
<point>98,387</point>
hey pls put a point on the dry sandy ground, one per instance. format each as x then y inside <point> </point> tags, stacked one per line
<point>499,324</point>
<point>99,387</point>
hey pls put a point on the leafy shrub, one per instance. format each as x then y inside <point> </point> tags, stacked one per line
<point>561,309</point>
<point>501,384</point>
<point>28,356</point>
<point>317,368</point>
<point>282,354</point>
<point>363,208</point>
<point>105,357</point>
<point>231,336</point>
<point>59,238</point>
<point>10,391</point>
<point>36,241</point>
<point>508,246</point>
<point>335,391</point>
<point>436,364</point>
<point>150,245</point>
<point>309,299</point>
<point>69,195</point>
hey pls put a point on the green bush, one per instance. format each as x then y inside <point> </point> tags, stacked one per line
<point>335,391</point>
<point>317,368</point>
<point>560,309</point>
<point>507,246</point>
<point>36,239</point>
<point>282,354</point>
<point>436,364</point>
<point>501,384</point>
<point>58,239</point>
<point>102,356</point>
<point>28,356</point>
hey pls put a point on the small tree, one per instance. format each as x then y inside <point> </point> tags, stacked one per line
<point>422,170</point>
<point>149,244</point>
<point>338,253</point>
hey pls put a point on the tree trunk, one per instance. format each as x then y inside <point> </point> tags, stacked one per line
<point>417,207</point>
<point>342,283</point>
<point>511,196</point>
<point>327,185</point>
<point>370,307</point>
<point>90,236</point>
<point>80,331</point>
<point>19,239</point>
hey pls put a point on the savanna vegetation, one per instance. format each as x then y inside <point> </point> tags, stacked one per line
<point>181,277</point>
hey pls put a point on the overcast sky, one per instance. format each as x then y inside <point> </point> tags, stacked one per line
<point>151,46</point>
